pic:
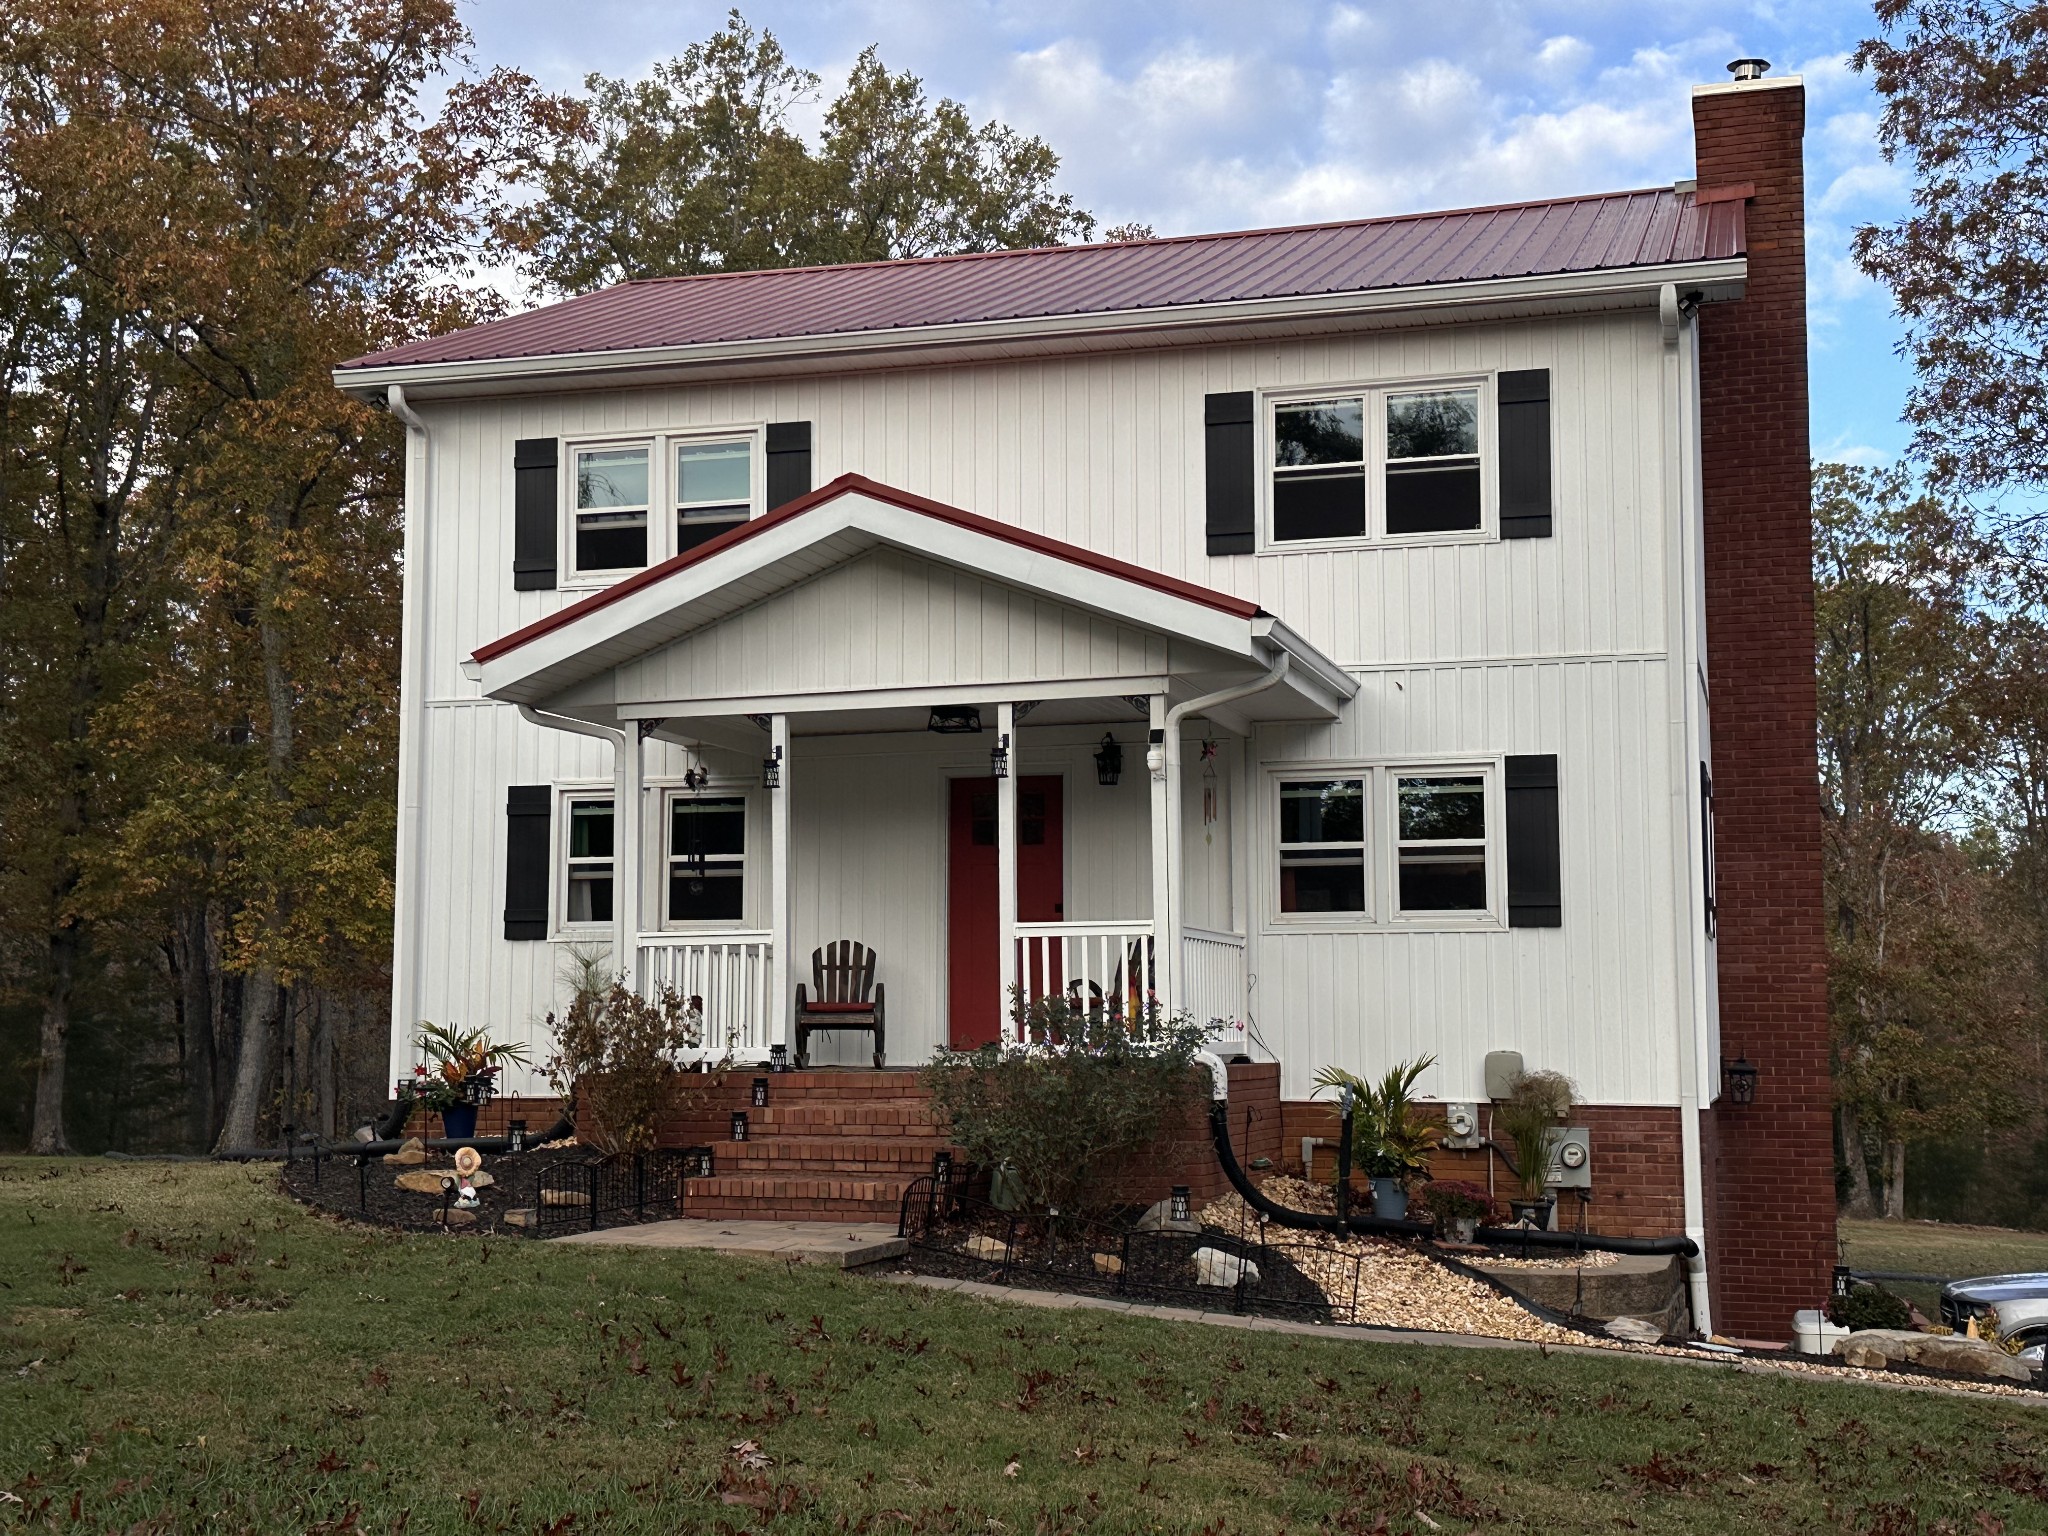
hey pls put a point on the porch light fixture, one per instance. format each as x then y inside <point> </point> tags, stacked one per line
<point>771,770</point>
<point>760,1093</point>
<point>999,757</point>
<point>1739,1077</point>
<point>1109,761</point>
<point>1180,1208</point>
<point>739,1125</point>
<point>778,1057</point>
<point>694,779</point>
<point>955,720</point>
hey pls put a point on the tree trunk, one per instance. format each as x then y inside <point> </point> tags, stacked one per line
<point>1894,1181</point>
<point>263,1006</point>
<point>194,949</point>
<point>1861,1203</point>
<point>46,1136</point>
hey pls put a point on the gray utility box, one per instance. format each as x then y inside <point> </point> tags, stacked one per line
<point>1571,1158</point>
<point>1461,1127</point>
<point>1502,1068</point>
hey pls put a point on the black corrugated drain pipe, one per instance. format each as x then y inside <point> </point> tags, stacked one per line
<point>1380,1226</point>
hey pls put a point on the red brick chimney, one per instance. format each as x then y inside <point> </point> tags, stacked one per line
<point>1769,1165</point>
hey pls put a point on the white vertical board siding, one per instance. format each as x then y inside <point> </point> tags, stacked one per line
<point>1530,645</point>
<point>1593,998</point>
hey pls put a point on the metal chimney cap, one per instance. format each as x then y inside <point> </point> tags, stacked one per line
<point>1749,69</point>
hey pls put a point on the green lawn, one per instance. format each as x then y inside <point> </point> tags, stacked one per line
<point>1937,1248</point>
<point>186,1350</point>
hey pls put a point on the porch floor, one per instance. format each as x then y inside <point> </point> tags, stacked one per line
<point>844,1244</point>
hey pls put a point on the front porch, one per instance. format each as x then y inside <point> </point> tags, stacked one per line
<point>1004,764</point>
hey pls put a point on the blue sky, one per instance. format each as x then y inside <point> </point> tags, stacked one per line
<point>1202,116</point>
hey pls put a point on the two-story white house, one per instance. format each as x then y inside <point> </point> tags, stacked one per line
<point>1316,627</point>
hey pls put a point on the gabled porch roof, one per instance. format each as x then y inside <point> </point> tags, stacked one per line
<point>720,629</point>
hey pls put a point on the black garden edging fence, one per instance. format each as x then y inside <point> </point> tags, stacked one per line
<point>585,1194</point>
<point>1266,1272</point>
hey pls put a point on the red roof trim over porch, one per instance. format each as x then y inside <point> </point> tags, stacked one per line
<point>831,491</point>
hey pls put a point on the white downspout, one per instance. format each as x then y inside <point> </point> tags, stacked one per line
<point>412,691</point>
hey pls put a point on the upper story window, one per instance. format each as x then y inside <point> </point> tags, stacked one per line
<point>1442,842</point>
<point>1391,463</point>
<point>711,483</point>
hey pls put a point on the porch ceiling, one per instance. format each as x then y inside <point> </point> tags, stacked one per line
<point>858,607</point>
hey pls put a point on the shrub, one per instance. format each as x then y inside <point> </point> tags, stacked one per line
<point>1391,1135</point>
<point>1869,1306</point>
<point>1536,1102</point>
<point>612,1063</point>
<point>1092,1086</point>
<point>462,1066</point>
<point>1448,1200</point>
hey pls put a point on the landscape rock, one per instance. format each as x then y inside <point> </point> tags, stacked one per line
<point>413,1151</point>
<point>422,1181</point>
<point>564,1197</point>
<point>1633,1330</point>
<point>1108,1264</point>
<point>1160,1219</point>
<point>456,1218</point>
<point>525,1216</point>
<point>982,1246</point>
<point>1214,1267</point>
<point>1878,1349</point>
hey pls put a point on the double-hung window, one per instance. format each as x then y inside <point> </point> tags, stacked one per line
<point>708,482</point>
<point>1441,839</point>
<point>611,509</point>
<point>707,856</point>
<point>1322,845</point>
<point>1392,462</point>
<point>589,849</point>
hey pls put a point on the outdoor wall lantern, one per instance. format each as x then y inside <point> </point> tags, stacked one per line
<point>1181,1208</point>
<point>1739,1078</point>
<point>739,1125</point>
<point>760,1093</point>
<point>700,1162</point>
<point>955,720</point>
<point>999,757</point>
<point>771,770</point>
<point>1109,761</point>
<point>778,1057</point>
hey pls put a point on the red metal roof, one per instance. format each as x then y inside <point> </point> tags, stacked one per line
<point>1582,234</point>
<point>832,490</point>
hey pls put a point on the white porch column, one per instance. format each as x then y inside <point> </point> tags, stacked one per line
<point>1162,761</point>
<point>1006,859</point>
<point>628,780</point>
<point>782,927</point>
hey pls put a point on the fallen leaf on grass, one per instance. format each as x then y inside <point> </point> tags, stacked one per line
<point>1013,1467</point>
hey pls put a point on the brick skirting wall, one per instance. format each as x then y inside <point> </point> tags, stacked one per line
<point>1771,1179</point>
<point>1638,1166</point>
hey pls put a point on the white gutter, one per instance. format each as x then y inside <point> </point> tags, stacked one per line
<point>1719,279</point>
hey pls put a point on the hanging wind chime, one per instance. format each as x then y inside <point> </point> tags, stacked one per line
<point>1209,791</point>
<point>694,780</point>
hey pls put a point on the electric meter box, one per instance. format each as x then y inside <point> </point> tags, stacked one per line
<point>1461,1127</point>
<point>1571,1158</point>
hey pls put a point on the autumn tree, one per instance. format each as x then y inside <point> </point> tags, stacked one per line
<point>1965,91</point>
<point>222,200</point>
<point>698,169</point>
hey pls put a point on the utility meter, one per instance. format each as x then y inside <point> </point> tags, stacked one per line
<point>1461,1125</point>
<point>1571,1158</point>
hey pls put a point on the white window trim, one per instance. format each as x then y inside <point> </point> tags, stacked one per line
<point>567,794</point>
<point>661,445</point>
<point>752,870</point>
<point>1382,848</point>
<point>1374,392</point>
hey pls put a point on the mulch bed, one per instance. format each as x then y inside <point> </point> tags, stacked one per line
<point>333,1186</point>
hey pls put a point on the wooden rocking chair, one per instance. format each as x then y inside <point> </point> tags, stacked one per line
<point>844,995</point>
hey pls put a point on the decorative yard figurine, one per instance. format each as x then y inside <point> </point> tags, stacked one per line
<point>467,1162</point>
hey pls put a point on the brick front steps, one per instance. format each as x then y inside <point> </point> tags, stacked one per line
<point>829,1145</point>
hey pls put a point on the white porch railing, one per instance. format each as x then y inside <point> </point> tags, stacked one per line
<point>1092,964</point>
<point>735,975</point>
<point>1212,975</point>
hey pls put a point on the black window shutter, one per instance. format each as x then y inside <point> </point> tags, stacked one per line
<point>535,514</point>
<point>1524,399</point>
<point>528,852</point>
<point>1228,438</point>
<point>789,461</point>
<point>1534,900</point>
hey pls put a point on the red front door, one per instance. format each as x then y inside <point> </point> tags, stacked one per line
<point>975,1008</point>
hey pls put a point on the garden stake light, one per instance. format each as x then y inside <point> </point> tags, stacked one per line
<point>760,1093</point>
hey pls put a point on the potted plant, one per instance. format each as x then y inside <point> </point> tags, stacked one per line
<point>460,1074</point>
<point>1391,1135</point>
<point>1530,1115</point>
<point>1458,1207</point>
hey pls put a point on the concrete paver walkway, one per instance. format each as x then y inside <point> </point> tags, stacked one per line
<point>840,1243</point>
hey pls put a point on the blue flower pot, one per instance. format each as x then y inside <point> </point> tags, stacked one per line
<point>1389,1199</point>
<point>459,1122</point>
